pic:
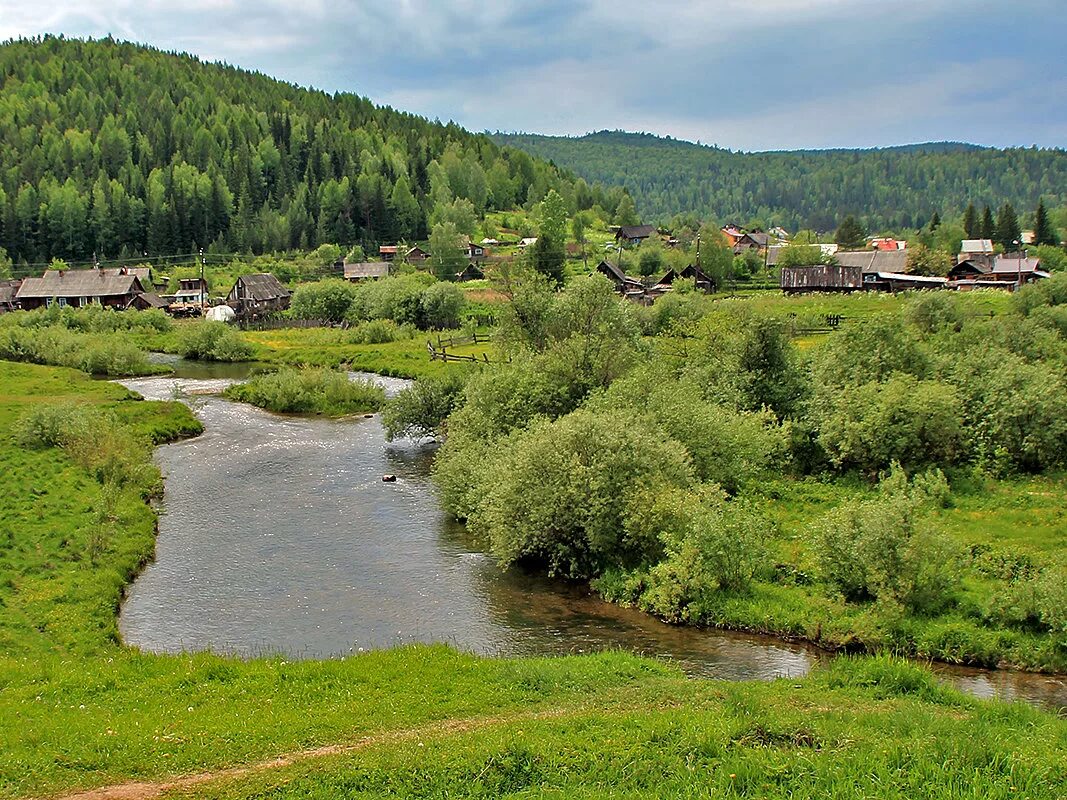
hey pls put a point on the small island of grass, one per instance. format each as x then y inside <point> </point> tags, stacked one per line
<point>309,391</point>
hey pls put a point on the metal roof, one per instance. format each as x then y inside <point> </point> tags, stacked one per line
<point>79,283</point>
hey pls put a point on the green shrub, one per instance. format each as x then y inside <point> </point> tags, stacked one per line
<point>378,331</point>
<point>398,298</point>
<point>110,452</point>
<point>56,345</point>
<point>885,548</point>
<point>327,300</point>
<point>708,545</point>
<point>309,391</point>
<point>213,341</point>
<point>555,492</point>
<point>441,306</point>
<point>901,419</point>
<point>728,447</point>
<point>420,411</point>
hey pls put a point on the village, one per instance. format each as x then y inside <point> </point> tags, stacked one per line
<point>883,265</point>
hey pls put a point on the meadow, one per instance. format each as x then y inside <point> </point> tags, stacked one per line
<point>79,710</point>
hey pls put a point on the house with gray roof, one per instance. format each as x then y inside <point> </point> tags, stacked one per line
<point>261,293</point>
<point>78,287</point>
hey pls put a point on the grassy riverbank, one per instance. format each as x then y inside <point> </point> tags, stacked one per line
<point>79,710</point>
<point>331,348</point>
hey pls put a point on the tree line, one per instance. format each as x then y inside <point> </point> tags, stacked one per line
<point>110,149</point>
<point>893,188</point>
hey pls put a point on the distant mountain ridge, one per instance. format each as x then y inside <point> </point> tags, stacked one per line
<point>892,187</point>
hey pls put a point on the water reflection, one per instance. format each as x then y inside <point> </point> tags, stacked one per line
<point>278,534</point>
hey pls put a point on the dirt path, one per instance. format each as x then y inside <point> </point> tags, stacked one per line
<point>143,790</point>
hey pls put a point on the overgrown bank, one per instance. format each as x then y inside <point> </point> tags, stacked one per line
<point>79,710</point>
<point>691,460</point>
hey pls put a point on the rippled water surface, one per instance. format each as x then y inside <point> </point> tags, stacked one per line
<point>279,535</point>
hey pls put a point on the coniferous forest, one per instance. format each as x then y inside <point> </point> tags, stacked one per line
<point>891,188</point>
<point>111,149</point>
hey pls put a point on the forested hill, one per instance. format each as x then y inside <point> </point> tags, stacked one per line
<point>113,148</point>
<point>895,187</point>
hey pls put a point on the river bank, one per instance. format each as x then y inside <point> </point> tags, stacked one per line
<point>78,710</point>
<point>386,566</point>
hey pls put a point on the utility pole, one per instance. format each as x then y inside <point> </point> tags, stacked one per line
<point>1018,264</point>
<point>203,298</point>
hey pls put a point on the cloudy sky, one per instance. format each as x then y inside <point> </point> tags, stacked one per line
<point>745,74</point>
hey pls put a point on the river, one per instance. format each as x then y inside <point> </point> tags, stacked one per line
<point>278,535</point>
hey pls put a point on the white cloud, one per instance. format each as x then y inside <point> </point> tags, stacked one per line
<point>744,73</point>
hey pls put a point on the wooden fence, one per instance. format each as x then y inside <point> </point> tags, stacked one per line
<point>439,351</point>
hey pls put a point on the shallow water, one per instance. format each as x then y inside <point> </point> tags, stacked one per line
<point>279,535</point>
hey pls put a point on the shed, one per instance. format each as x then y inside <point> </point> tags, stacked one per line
<point>821,278</point>
<point>623,282</point>
<point>8,289</point>
<point>147,301</point>
<point>472,272</point>
<point>258,294</point>
<point>366,271</point>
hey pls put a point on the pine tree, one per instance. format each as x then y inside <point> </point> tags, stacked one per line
<point>1043,230</point>
<point>1007,232</point>
<point>970,222</point>
<point>935,221</point>
<point>988,228</point>
<point>851,233</point>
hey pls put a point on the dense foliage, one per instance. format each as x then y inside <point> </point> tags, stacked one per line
<point>643,463</point>
<point>889,188</point>
<point>116,149</point>
<point>92,339</point>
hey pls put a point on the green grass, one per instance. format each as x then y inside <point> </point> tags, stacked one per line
<point>332,348</point>
<point>871,730</point>
<point>308,391</point>
<point>79,710</point>
<point>1022,518</point>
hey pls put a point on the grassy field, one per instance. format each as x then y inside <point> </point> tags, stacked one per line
<point>78,710</point>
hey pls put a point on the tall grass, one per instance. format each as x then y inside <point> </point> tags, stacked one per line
<point>309,391</point>
<point>95,353</point>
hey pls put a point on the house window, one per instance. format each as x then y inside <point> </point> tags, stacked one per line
<point>62,301</point>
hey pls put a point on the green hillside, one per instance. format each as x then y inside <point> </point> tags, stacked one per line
<point>898,187</point>
<point>115,149</point>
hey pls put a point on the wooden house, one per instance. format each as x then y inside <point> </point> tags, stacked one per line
<point>366,271</point>
<point>751,241</point>
<point>387,252</point>
<point>472,272</point>
<point>623,283</point>
<point>415,255</point>
<point>147,301</point>
<point>971,269</point>
<point>1016,268</point>
<point>261,293</point>
<point>191,292</point>
<point>8,290</point>
<point>633,234</point>
<point>78,288</point>
<point>691,273</point>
